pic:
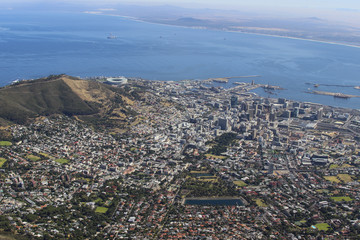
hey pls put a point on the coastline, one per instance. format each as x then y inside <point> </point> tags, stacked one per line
<point>283,73</point>
<point>230,31</point>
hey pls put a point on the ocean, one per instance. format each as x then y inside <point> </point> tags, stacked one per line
<point>37,44</point>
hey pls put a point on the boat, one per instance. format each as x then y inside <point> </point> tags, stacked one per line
<point>111,36</point>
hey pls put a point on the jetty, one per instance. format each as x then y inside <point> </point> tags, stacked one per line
<point>334,94</point>
<point>328,85</point>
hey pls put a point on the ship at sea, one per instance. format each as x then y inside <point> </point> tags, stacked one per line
<point>112,36</point>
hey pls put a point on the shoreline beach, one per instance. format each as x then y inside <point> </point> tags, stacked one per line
<point>231,31</point>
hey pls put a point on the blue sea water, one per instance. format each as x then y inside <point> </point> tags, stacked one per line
<point>37,44</point>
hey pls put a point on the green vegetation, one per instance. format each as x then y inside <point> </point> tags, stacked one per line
<point>300,223</point>
<point>332,179</point>
<point>240,183</point>
<point>221,143</point>
<point>322,226</point>
<point>260,202</point>
<point>33,158</point>
<point>336,166</point>
<point>322,191</point>
<point>340,199</point>
<point>5,143</point>
<point>43,96</point>
<point>6,237</point>
<point>2,161</point>
<point>44,155</point>
<point>200,172</point>
<point>207,187</point>
<point>62,161</point>
<point>91,101</point>
<point>101,209</point>
<point>346,178</point>
<point>84,179</point>
<point>214,156</point>
<point>208,178</point>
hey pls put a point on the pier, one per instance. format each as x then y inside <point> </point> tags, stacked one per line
<point>338,95</point>
<point>329,85</point>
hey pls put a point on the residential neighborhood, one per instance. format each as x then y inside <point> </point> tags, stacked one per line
<point>196,161</point>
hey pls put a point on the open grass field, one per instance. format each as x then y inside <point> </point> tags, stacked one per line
<point>199,172</point>
<point>332,179</point>
<point>240,183</point>
<point>32,158</point>
<point>44,154</point>
<point>208,179</point>
<point>260,202</point>
<point>335,166</point>
<point>214,156</point>
<point>101,210</point>
<point>82,178</point>
<point>322,191</point>
<point>5,143</point>
<point>2,161</point>
<point>322,226</point>
<point>341,199</point>
<point>6,237</point>
<point>62,161</point>
<point>346,178</point>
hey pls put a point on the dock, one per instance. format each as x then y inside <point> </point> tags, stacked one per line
<point>269,87</point>
<point>337,95</point>
<point>246,87</point>
<point>329,85</point>
<point>226,79</point>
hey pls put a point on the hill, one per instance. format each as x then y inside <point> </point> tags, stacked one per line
<point>90,101</point>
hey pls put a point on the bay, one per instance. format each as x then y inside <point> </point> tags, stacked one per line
<point>37,44</point>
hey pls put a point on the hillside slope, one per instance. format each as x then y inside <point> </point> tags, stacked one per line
<point>88,100</point>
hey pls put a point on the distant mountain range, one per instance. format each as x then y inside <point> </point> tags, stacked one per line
<point>89,101</point>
